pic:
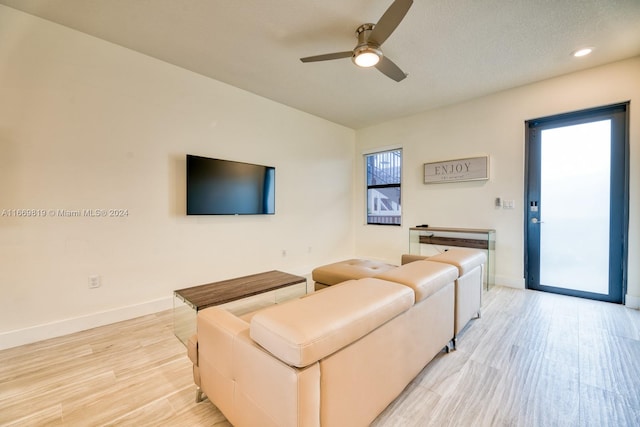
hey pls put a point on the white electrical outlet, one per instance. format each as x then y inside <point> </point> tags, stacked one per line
<point>94,282</point>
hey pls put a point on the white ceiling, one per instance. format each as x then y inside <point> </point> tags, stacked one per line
<point>452,50</point>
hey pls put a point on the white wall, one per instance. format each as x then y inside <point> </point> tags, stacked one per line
<point>85,124</point>
<point>493,125</point>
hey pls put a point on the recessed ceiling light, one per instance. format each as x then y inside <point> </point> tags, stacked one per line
<point>582,52</point>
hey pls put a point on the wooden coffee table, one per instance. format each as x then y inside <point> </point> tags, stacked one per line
<point>267,288</point>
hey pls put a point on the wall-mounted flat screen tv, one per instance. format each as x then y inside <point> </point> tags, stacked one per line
<point>225,187</point>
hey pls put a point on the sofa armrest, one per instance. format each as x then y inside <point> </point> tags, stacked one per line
<point>217,331</point>
<point>271,393</point>
<point>248,384</point>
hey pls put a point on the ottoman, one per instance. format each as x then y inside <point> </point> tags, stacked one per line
<point>338,272</point>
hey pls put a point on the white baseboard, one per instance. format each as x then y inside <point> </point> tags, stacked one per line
<point>632,302</point>
<point>68,326</point>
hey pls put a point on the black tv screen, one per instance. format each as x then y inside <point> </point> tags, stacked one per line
<point>225,187</point>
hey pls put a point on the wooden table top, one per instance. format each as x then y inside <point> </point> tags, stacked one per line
<point>203,296</point>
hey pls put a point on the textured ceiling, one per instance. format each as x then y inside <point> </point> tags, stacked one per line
<point>452,50</point>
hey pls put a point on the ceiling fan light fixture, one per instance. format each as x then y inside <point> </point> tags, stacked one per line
<point>370,36</point>
<point>366,56</point>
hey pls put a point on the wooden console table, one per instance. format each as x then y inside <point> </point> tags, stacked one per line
<point>248,293</point>
<point>422,241</point>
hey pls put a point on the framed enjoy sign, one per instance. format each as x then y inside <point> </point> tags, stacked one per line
<point>469,169</point>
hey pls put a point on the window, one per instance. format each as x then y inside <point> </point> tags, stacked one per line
<point>384,172</point>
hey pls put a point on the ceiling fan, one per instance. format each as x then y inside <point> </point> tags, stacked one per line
<point>367,52</point>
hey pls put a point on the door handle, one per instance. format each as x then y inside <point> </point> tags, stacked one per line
<point>536,221</point>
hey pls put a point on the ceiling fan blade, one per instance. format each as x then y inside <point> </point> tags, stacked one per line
<point>390,69</point>
<point>390,21</point>
<point>327,56</point>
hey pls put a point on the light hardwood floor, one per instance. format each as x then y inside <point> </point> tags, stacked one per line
<point>533,359</point>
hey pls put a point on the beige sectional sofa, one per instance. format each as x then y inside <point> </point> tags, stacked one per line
<point>468,286</point>
<point>335,357</point>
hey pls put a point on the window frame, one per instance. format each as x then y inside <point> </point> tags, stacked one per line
<point>366,156</point>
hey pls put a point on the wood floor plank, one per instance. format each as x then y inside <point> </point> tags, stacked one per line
<point>126,396</point>
<point>49,416</point>
<point>611,363</point>
<point>466,408</point>
<point>413,408</point>
<point>602,408</point>
<point>444,373</point>
<point>532,359</point>
<point>41,396</point>
<point>31,361</point>
<point>502,333</point>
<point>199,414</point>
<point>536,391</point>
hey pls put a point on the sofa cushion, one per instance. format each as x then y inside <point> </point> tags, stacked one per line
<point>424,277</point>
<point>464,259</point>
<point>300,332</point>
<point>338,272</point>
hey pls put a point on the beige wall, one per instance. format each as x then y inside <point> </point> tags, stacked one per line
<point>494,126</point>
<point>85,124</point>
